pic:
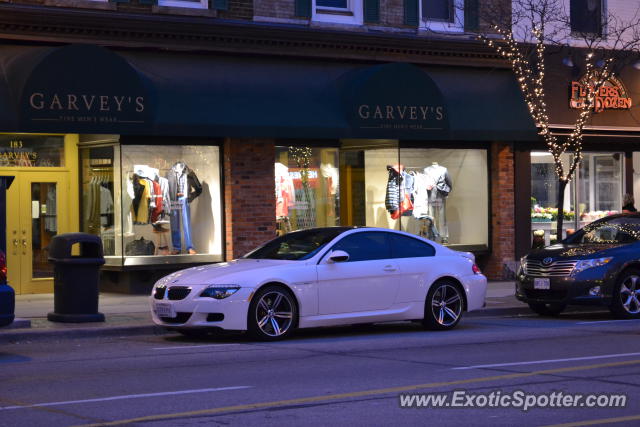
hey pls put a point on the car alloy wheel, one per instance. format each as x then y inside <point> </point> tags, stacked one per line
<point>444,305</point>
<point>272,313</point>
<point>626,299</point>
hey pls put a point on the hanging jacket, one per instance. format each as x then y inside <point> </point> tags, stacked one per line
<point>441,179</point>
<point>392,198</point>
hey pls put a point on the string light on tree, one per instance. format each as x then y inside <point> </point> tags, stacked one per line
<point>530,73</point>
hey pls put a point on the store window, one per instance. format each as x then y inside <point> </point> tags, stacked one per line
<point>596,190</point>
<point>307,187</point>
<point>22,150</point>
<point>447,195</point>
<point>600,185</point>
<point>440,194</point>
<point>153,204</point>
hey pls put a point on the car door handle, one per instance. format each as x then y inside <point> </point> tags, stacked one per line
<point>389,268</point>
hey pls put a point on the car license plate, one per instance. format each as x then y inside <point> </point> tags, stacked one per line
<point>539,283</point>
<point>164,309</point>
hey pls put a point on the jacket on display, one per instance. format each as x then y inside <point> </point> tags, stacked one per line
<point>398,200</point>
<point>183,180</point>
<point>392,198</point>
<point>440,178</point>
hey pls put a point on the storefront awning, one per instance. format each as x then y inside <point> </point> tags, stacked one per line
<point>484,104</point>
<point>403,101</point>
<point>89,89</point>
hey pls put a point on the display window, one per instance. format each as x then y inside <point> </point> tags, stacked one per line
<point>595,191</point>
<point>440,194</point>
<point>307,187</point>
<point>153,204</point>
<point>444,195</point>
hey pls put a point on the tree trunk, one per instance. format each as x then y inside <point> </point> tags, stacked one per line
<point>562,185</point>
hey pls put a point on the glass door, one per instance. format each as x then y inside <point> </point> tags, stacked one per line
<point>35,215</point>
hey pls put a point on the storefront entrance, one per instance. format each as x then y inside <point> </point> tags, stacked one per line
<point>33,219</point>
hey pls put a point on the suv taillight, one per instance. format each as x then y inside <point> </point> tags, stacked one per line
<point>3,268</point>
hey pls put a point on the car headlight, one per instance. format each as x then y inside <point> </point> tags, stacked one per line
<point>590,263</point>
<point>219,291</point>
<point>523,264</point>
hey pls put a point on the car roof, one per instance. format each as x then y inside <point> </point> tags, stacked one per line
<point>619,215</point>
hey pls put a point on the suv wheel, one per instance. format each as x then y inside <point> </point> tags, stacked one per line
<point>626,295</point>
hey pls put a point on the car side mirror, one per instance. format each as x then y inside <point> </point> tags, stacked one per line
<point>338,256</point>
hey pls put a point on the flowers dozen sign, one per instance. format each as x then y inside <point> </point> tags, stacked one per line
<point>612,95</point>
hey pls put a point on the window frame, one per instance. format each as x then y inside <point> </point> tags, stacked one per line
<point>201,4</point>
<point>455,25</point>
<point>353,14</point>
<point>577,34</point>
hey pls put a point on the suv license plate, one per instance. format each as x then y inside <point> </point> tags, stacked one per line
<point>541,283</point>
<point>164,309</point>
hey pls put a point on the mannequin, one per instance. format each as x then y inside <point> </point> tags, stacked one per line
<point>184,187</point>
<point>439,186</point>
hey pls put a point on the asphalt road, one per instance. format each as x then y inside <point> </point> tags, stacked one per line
<point>339,376</point>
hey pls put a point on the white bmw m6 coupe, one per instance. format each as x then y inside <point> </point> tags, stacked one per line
<point>323,277</point>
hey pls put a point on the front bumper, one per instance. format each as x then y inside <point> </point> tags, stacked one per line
<point>196,312</point>
<point>574,290</point>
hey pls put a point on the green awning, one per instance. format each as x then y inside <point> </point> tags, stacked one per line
<point>90,89</point>
<point>484,104</point>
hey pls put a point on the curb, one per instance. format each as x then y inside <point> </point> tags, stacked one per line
<point>501,311</point>
<point>20,335</point>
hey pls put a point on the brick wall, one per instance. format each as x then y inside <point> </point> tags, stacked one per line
<point>238,9</point>
<point>392,13</point>
<point>282,9</point>
<point>249,190</point>
<point>502,212</point>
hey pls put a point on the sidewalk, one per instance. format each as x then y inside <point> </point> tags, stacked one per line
<point>129,315</point>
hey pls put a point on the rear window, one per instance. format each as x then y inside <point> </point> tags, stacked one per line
<point>408,247</point>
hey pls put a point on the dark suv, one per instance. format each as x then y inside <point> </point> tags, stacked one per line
<point>597,265</point>
<point>7,296</point>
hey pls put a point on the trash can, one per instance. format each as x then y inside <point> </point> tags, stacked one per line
<point>76,278</point>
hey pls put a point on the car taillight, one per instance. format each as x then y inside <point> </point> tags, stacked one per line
<point>3,268</point>
<point>476,269</point>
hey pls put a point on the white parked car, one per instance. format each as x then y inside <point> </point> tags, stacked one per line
<point>323,277</point>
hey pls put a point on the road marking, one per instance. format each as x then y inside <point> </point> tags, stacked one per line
<point>598,422</point>
<point>607,321</point>
<point>330,397</point>
<point>127,396</point>
<point>534,362</point>
<point>191,346</point>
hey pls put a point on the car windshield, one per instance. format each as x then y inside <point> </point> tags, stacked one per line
<point>609,231</point>
<point>298,245</point>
